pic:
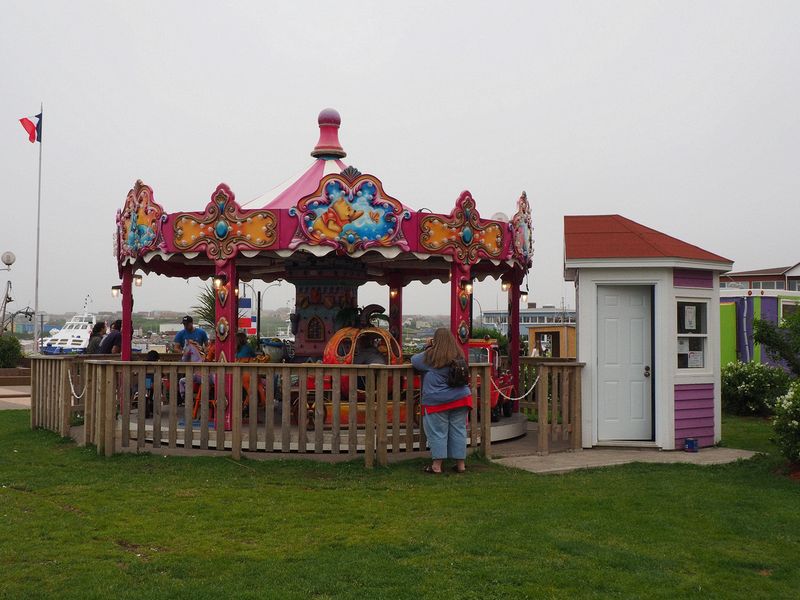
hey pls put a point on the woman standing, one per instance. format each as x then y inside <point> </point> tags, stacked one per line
<point>444,408</point>
<point>98,331</point>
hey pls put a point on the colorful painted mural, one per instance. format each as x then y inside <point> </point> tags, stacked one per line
<point>350,212</point>
<point>139,222</point>
<point>738,311</point>
<point>224,228</point>
<point>462,233</point>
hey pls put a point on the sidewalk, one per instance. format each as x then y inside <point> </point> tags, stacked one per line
<point>15,397</point>
<point>563,462</point>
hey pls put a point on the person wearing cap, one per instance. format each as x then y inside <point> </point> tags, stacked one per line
<point>190,337</point>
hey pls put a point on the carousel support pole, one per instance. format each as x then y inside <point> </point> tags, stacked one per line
<point>127,313</point>
<point>396,309</point>
<point>513,332</point>
<point>459,305</point>
<point>226,324</point>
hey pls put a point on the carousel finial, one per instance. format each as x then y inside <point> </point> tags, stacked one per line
<point>328,145</point>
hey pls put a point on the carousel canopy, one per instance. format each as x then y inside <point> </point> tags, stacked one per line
<point>332,216</point>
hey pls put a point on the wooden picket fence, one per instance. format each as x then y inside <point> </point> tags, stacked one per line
<point>555,402</point>
<point>299,408</point>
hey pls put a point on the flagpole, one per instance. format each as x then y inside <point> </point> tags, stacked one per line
<point>37,334</point>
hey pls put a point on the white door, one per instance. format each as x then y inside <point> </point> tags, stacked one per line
<point>624,351</point>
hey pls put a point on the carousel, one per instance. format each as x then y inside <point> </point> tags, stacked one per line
<point>328,232</point>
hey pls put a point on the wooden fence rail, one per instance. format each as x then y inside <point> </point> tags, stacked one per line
<point>282,408</point>
<point>555,404</point>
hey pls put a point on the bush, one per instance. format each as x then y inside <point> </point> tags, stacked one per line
<point>752,388</point>
<point>787,423</point>
<point>10,352</point>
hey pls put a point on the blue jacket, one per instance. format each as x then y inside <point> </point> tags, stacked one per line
<point>434,384</point>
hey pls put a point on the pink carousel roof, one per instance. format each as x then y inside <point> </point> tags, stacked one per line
<point>327,152</point>
<point>332,212</point>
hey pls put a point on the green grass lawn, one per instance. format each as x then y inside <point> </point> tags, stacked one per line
<point>76,525</point>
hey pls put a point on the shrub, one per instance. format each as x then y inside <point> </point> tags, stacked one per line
<point>751,388</point>
<point>787,423</point>
<point>10,351</point>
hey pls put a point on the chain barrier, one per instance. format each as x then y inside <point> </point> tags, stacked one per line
<point>525,395</point>
<point>72,387</point>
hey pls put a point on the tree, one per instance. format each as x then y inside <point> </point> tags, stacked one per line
<point>10,351</point>
<point>205,310</point>
<point>482,332</point>
<point>781,341</point>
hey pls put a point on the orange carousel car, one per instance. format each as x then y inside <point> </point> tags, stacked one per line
<point>358,346</point>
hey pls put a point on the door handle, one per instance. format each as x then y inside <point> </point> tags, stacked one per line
<point>647,371</point>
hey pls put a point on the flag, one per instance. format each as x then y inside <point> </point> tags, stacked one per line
<point>33,125</point>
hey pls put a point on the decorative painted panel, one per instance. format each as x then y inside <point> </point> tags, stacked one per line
<point>522,230</point>
<point>224,228</point>
<point>350,212</point>
<point>462,232</point>
<point>139,223</point>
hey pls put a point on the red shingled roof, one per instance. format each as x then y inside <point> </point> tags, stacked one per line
<point>614,236</point>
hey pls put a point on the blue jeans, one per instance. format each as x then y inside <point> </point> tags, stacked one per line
<point>447,433</point>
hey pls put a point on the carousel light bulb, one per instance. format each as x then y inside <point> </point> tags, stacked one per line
<point>468,288</point>
<point>505,286</point>
<point>524,297</point>
<point>115,290</point>
<point>393,293</point>
<point>137,280</point>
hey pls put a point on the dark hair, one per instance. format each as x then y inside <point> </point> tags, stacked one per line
<point>117,324</point>
<point>241,339</point>
<point>153,356</point>
<point>98,327</point>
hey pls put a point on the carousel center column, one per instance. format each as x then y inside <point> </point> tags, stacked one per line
<point>460,284</point>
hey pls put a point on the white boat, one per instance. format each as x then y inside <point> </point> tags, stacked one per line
<point>72,338</point>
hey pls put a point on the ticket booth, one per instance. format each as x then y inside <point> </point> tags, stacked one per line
<point>647,331</point>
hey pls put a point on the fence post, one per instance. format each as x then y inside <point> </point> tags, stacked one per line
<point>542,402</point>
<point>383,392</point>
<point>486,412</point>
<point>577,418</point>
<point>65,397</point>
<point>369,425</point>
<point>110,413</point>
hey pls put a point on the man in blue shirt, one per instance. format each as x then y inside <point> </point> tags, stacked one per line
<point>190,333</point>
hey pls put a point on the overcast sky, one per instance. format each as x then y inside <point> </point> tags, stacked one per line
<point>683,116</point>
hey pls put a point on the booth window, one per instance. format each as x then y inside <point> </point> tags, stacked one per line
<point>692,335</point>
<point>316,330</point>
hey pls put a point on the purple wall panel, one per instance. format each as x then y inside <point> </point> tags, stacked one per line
<point>692,278</point>
<point>694,413</point>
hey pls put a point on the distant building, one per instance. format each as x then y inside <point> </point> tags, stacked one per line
<point>776,278</point>
<point>169,327</point>
<point>531,315</point>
